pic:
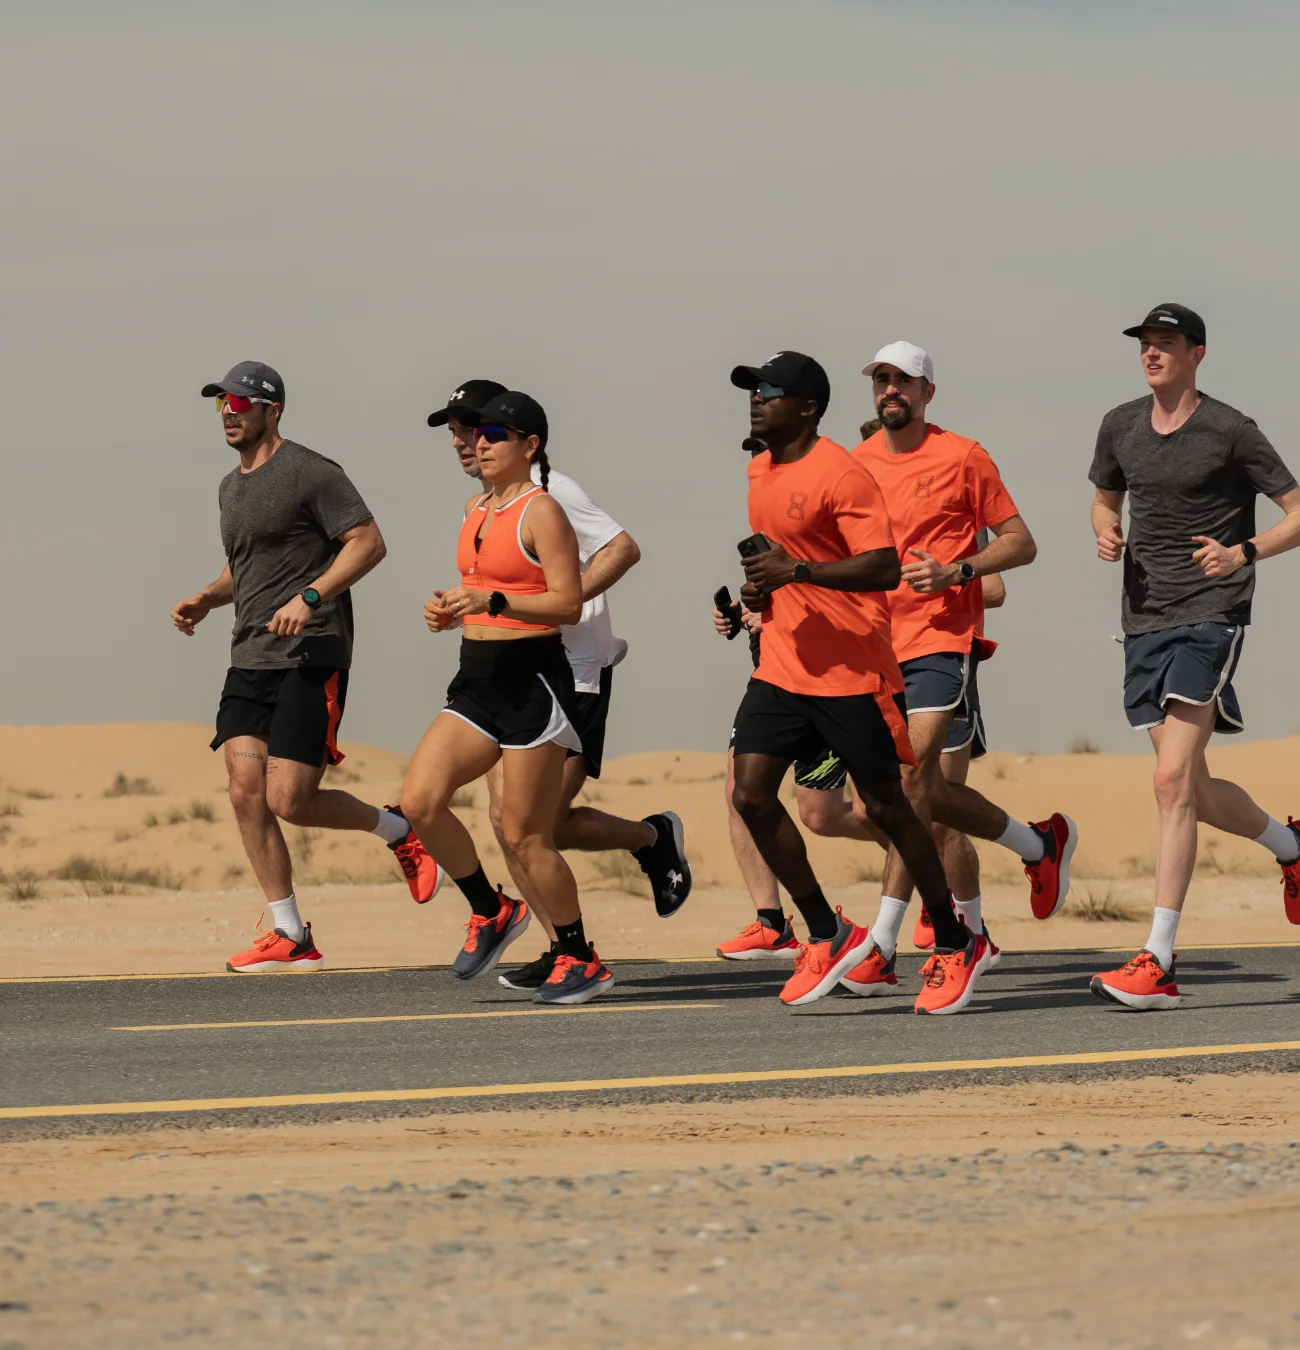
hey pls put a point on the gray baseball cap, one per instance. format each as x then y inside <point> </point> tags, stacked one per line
<point>252,379</point>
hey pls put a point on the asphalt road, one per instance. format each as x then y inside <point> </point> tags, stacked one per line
<point>71,1047</point>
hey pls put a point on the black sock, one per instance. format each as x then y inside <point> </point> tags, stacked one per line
<point>817,914</point>
<point>481,894</point>
<point>949,931</point>
<point>571,941</point>
<point>773,919</point>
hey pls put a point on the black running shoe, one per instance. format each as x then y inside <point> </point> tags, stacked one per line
<point>664,862</point>
<point>533,975</point>
<point>487,939</point>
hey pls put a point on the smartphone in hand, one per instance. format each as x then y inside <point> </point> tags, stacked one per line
<point>753,546</point>
<point>725,605</point>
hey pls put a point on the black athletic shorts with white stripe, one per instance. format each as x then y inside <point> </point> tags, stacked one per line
<point>1191,664</point>
<point>517,691</point>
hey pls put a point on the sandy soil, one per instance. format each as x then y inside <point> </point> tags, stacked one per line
<point>125,835</point>
<point>980,1216</point>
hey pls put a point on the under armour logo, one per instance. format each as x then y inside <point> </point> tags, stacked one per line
<point>923,485</point>
<point>460,393</point>
<point>675,879</point>
<point>798,500</point>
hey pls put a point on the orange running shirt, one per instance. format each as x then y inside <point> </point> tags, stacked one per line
<point>940,496</point>
<point>815,640</point>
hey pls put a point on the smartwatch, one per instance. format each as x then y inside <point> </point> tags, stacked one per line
<point>311,597</point>
<point>496,603</point>
<point>966,572</point>
<point>802,572</point>
<point>1250,552</point>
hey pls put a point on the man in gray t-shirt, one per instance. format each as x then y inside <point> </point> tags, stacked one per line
<point>1191,468</point>
<point>297,537</point>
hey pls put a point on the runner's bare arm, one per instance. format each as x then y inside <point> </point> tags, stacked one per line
<point>877,570</point>
<point>1107,524</point>
<point>995,590</point>
<point>609,564</point>
<point>363,550</point>
<point>549,537</point>
<point>1216,561</point>
<point>194,610</point>
<point>1011,546</point>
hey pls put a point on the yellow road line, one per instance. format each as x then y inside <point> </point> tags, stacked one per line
<point>623,1084</point>
<point>422,1017</point>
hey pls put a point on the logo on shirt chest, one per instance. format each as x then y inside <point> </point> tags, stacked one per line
<point>798,505</point>
<point>924,483</point>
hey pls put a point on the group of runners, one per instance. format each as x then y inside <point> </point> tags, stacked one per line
<point>866,578</point>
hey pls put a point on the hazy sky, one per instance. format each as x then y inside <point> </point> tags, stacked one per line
<point>609,205</point>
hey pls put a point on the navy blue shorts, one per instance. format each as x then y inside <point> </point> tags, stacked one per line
<point>937,683</point>
<point>1193,664</point>
<point>967,727</point>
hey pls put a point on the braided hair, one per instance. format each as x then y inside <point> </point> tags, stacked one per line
<point>545,465</point>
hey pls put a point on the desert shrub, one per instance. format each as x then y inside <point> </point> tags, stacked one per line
<point>1083,745</point>
<point>9,807</point>
<point>21,885</point>
<point>201,810</point>
<point>621,872</point>
<point>123,786</point>
<point>104,878</point>
<point>1100,904</point>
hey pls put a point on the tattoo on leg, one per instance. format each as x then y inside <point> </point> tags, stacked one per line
<point>245,754</point>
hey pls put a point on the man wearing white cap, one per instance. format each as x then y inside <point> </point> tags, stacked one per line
<point>941,490</point>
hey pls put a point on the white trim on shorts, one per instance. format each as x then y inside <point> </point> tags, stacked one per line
<point>559,729</point>
<point>965,682</point>
<point>1214,698</point>
<point>975,723</point>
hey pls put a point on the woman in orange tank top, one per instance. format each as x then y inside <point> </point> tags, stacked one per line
<point>512,700</point>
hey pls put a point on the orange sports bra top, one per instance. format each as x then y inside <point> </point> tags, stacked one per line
<point>498,561</point>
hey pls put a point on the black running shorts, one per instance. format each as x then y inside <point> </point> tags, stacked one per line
<point>592,713</point>
<point>517,691</point>
<point>773,721</point>
<point>296,712</point>
<point>1192,664</point>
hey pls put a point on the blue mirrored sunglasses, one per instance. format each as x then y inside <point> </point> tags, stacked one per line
<point>766,391</point>
<point>493,434</point>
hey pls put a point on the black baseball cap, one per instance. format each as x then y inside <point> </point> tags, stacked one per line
<point>792,371</point>
<point>252,379</point>
<point>517,411</point>
<point>466,402</point>
<point>1174,318</point>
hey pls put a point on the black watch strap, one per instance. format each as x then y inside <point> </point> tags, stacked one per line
<point>497,603</point>
<point>1251,552</point>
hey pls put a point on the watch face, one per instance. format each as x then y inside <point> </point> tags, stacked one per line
<point>311,596</point>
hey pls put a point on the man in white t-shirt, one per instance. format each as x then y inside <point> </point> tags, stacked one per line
<point>606,552</point>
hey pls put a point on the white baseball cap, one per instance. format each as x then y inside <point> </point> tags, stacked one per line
<point>907,356</point>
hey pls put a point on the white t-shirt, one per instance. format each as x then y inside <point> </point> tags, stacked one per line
<point>590,643</point>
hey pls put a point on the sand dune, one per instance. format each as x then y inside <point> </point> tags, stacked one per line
<point>112,830</point>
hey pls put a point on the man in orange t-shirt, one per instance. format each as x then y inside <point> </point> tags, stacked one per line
<point>821,554</point>
<point>942,490</point>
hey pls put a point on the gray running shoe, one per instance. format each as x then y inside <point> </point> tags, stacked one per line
<point>487,939</point>
<point>575,981</point>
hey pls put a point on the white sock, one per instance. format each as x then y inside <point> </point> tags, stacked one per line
<point>1280,841</point>
<point>1164,928</point>
<point>968,911</point>
<point>285,917</point>
<point>1025,843</point>
<point>392,828</point>
<point>885,930</point>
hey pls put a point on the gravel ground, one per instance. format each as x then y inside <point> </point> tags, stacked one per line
<point>1060,1247</point>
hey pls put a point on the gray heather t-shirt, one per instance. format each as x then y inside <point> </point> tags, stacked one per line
<point>1201,479</point>
<point>280,525</point>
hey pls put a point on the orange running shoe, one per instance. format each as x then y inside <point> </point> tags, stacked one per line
<point>758,942</point>
<point>486,940</point>
<point>424,877</point>
<point>274,951</point>
<point>1291,879</point>
<point>1139,983</point>
<point>820,965</point>
<point>1049,877</point>
<point>923,933</point>
<point>872,977</point>
<point>575,981</point>
<point>948,977</point>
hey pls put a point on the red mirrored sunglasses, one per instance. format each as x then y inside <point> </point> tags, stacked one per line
<point>237,403</point>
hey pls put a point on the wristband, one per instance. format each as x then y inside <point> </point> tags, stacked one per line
<point>1250,552</point>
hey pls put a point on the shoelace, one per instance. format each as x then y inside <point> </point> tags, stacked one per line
<point>473,928</point>
<point>928,969</point>
<point>1136,964</point>
<point>563,964</point>
<point>405,854</point>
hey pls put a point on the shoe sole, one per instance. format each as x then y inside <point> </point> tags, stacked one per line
<point>981,966</point>
<point>769,954</point>
<point>847,959</point>
<point>679,843</point>
<point>304,965</point>
<point>1140,1002</point>
<point>516,929</point>
<point>437,886</point>
<point>1063,876</point>
<point>995,959</point>
<point>584,995</point>
<point>876,990</point>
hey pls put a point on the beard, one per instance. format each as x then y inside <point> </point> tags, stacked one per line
<point>895,415</point>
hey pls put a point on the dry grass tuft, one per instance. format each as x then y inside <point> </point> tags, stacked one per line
<point>201,810</point>
<point>130,787</point>
<point>1083,745</point>
<point>621,872</point>
<point>22,885</point>
<point>103,878</point>
<point>1100,904</point>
